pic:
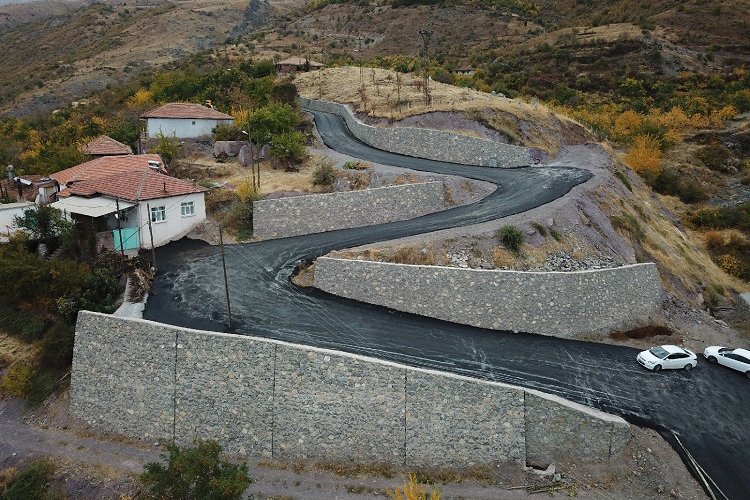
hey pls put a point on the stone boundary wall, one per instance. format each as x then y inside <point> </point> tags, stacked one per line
<point>427,143</point>
<point>318,213</point>
<point>261,397</point>
<point>559,304</point>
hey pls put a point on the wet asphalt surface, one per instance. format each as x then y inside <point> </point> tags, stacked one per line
<point>708,408</point>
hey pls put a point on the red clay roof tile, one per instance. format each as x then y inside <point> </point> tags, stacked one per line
<point>104,166</point>
<point>105,145</point>
<point>186,110</point>
<point>136,185</point>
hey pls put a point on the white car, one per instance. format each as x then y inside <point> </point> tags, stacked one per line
<point>666,357</point>
<point>736,359</point>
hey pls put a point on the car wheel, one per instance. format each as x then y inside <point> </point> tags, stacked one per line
<point>657,368</point>
<point>688,367</point>
<point>712,359</point>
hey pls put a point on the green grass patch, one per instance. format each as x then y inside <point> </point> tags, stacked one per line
<point>540,228</point>
<point>624,179</point>
<point>511,237</point>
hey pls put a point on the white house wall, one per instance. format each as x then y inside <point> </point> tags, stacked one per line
<point>175,226</point>
<point>8,212</point>
<point>182,128</point>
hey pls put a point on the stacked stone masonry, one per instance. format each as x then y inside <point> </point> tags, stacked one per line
<point>560,304</point>
<point>427,143</point>
<point>260,397</point>
<point>318,213</point>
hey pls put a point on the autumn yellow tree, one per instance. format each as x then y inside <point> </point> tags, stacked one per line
<point>644,156</point>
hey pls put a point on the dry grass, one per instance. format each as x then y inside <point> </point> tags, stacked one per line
<point>342,85</point>
<point>13,350</point>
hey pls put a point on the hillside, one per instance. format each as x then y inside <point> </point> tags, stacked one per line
<point>519,46</point>
<point>105,43</point>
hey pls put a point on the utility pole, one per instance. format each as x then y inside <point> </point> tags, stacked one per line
<point>426,37</point>
<point>151,235</point>
<point>257,139</point>
<point>226,281</point>
<point>119,225</point>
<point>359,39</point>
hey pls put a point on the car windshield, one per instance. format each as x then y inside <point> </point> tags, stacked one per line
<point>658,352</point>
<point>726,350</point>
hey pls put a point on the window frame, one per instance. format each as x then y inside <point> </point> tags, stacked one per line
<point>160,210</point>
<point>186,204</point>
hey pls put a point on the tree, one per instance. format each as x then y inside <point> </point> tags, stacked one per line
<point>272,120</point>
<point>167,147</point>
<point>195,474</point>
<point>289,146</point>
<point>44,223</point>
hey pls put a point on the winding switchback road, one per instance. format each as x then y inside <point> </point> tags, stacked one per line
<point>708,408</point>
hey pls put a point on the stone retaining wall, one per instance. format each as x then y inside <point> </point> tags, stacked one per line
<point>560,304</point>
<point>427,143</point>
<point>261,397</point>
<point>318,213</point>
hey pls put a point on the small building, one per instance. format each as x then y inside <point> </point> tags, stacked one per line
<point>99,167</point>
<point>295,64</point>
<point>118,208</point>
<point>464,70</point>
<point>183,120</point>
<point>106,146</point>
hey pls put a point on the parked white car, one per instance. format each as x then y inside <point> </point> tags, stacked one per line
<point>736,359</point>
<point>667,357</point>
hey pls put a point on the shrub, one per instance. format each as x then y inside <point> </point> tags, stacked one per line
<point>42,385</point>
<point>671,183</point>
<point>226,132</point>
<point>289,146</point>
<point>714,156</point>
<point>246,192</point>
<point>17,380</point>
<point>32,482</point>
<point>511,237</point>
<point>194,473</point>
<point>101,290</point>
<point>713,240</point>
<point>355,165</point>
<point>324,174</point>
<point>644,156</point>
<point>168,147</point>
<point>22,324</point>
<point>540,228</point>
<point>731,264</point>
<point>413,490</point>
<point>57,345</point>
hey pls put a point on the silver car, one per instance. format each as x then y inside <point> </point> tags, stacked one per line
<point>736,359</point>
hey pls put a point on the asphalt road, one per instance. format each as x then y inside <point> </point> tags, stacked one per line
<point>707,408</point>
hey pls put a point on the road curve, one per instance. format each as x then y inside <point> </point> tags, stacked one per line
<point>707,408</point>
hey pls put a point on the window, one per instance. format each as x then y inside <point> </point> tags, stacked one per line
<point>193,122</point>
<point>158,214</point>
<point>187,208</point>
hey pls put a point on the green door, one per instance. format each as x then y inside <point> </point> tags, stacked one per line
<point>131,239</point>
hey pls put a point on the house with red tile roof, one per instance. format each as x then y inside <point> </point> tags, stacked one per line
<point>104,145</point>
<point>183,120</point>
<point>126,203</point>
<point>96,168</point>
